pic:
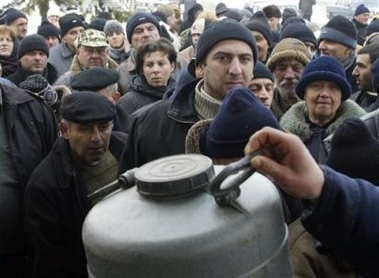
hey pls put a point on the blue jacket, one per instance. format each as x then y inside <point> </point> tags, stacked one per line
<point>345,221</point>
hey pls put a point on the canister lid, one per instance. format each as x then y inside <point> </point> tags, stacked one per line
<point>174,175</point>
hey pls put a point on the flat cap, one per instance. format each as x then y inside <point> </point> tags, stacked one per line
<point>86,106</point>
<point>94,79</point>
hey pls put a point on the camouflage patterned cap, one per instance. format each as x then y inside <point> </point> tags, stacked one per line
<point>92,38</point>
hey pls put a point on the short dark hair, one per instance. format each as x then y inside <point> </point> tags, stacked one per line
<point>163,45</point>
<point>372,50</point>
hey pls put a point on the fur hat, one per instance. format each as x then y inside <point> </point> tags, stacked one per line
<point>324,68</point>
<point>259,23</point>
<point>81,107</point>
<point>272,11</point>
<point>137,19</point>
<point>354,151</point>
<point>261,71</point>
<point>289,48</point>
<point>13,14</point>
<point>32,42</point>
<point>113,26</point>
<point>375,75</point>
<point>340,29</point>
<point>220,31</point>
<point>298,31</point>
<point>47,29</point>
<point>361,9</point>
<point>241,115</point>
<point>69,21</point>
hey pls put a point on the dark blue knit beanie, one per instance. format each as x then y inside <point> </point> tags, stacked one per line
<point>258,23</point>
<point>375,75</point>
<point>298,31</point>
<point>340,29</point>
<point>13,14</point>
<point>361,9</point>
<point>47,29</point>
<point>222,30</point>
<point>32,42</point>
<point>139,18</point>
<point>241,115</point>
<point>324,68</point>
<point>261,71</point>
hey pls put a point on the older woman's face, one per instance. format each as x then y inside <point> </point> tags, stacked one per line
<point>6,45</point>
<point>157,68</point>
<point>322,99</point>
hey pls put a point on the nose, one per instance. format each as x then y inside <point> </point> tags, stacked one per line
<point>263,94</point>
<point>96,134</point>
<point>289,73</point>
<point>355,71</point>
<point>235,66</point>
<point>155,68</point>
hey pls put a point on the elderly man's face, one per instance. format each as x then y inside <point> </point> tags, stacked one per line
<point>263,89</point>
<point>287,74</point>
<point>21,27</point>
<point>71,36</point>
<point>334,49</point>
<point>88,142</point>
<point>90,57</point>
<point>229,64</point>
<point>51,41</point>
<point>322,100</point>
<point>143,33</point>
<point>34,62</point>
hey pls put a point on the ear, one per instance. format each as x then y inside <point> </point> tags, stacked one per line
<point>173,66</point>
<point>64,129</point>
<point>115,96</point>
<point>199,71</point>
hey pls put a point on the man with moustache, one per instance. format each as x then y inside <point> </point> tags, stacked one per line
<point>82,160</point>
<point>287,62</point>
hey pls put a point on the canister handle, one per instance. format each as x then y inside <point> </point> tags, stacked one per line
<point>231,191</point>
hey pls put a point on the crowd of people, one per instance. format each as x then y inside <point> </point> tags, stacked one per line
<point>83,102</point>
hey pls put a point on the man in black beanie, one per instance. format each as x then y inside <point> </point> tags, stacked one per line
<point>262,33</point>
<point>141,28</point>
<point>49,32</point>
<point>262,84</point>
<point>32,55</point>
<point>338,39</point>
<point>82,160</point>
<point>18,21</point>
<point>226,55</point>
<point>360,20</point>
<point>61,55</point>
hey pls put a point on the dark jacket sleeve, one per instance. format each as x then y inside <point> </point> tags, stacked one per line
<point>345,221</point>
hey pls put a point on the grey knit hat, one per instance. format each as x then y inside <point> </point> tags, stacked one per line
<point>113,26</point>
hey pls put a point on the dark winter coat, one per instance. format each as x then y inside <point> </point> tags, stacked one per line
<point>20,75</point>
<point>364,99</point>
<point>32,130</point>
<point>55,207</point>
<point>344,221</point>
<point>372,122</point>
<point>142,94</point>
<point>296,122</point>
<point>160,129</point>
<point>361,28</point>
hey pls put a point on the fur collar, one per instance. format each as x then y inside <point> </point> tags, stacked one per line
<point>294,119</point>
<point>76,68</point>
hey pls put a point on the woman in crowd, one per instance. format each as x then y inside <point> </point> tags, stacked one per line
<point>155,62</point>
<point>8,50</point>
<point>325,91</point>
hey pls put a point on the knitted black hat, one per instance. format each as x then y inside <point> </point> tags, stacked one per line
<point>259,23</point>
<point>85,81</point>
<point>298,31</point>
<point>220,31</point>
<point>69,21</point>
<point>341,30</point>
<point>361,9</point>
<point>261,71</point>
<point>38,85</point>
<point>97,24</point>
<point>375,75</point>
<point>372,27</point>
<point>137,19</point>
<point>81,107</point>
<point>241,115</point>
<point>233,14</point>
<point>272,11</point>
<point>13,14</point>
<point>221,9</point>
<point>354,151</point>
<point>32,42</point>
<point>324,68</point>
<point>47,29</point>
